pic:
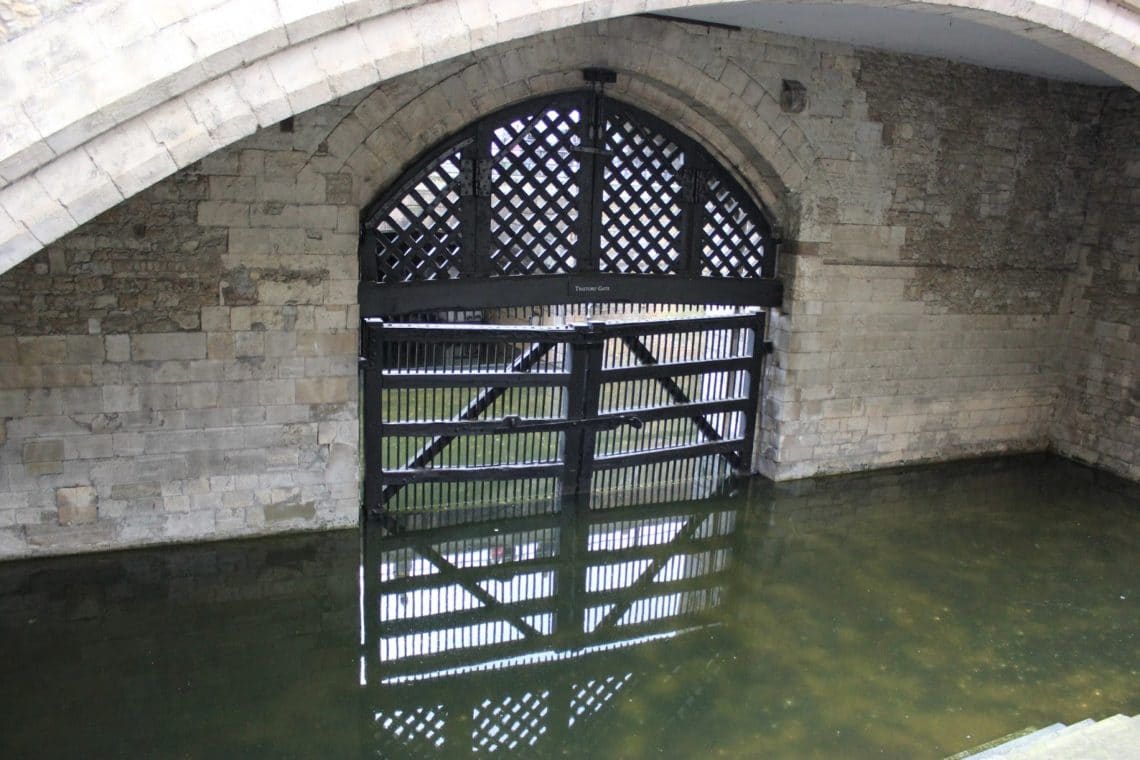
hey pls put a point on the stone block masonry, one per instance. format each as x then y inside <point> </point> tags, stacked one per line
<point>183,367</point>
<point>1100,417</point>
<point>160,381</point>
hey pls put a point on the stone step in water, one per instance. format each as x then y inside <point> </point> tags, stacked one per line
<point>1001,748</point>
<point>1114,738</point>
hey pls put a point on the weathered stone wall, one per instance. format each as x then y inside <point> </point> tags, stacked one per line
<point>184,367</point>
<point>17,17</point>
<point>1099,417</point>
<point>938,232</point>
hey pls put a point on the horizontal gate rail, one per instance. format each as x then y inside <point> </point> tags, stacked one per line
<point>471,574</point>
<point>600,520</point>
<point>504,291</point>
<point>434,664</point>
<point>447,333</point>
<point>662,551</point>
<point>677,411</point>
<point>392,485</point>
<point>674,369</point>
<point>682,324</point>
<point>471,474</point>
<point>509,425</point>
<point>693,450</point>
<point>473,379</point>
<point>506,526</point>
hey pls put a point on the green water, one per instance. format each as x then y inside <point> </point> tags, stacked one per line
<point>905,614</point>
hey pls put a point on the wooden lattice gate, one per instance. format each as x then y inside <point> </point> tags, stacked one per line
<point>571,199</point>
<point>468,422</point>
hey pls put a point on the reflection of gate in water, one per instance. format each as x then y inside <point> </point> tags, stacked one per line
<point>473,421</point>
<point>504,605</point>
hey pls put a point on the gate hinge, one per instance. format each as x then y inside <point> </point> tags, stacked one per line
<point>368,349</point>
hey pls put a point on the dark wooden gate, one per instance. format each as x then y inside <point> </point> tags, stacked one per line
<point>471,422</point>
<point>565,201</point>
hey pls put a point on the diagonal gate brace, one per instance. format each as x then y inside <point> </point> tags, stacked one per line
<point>481,403</point>
<point>642,353</point>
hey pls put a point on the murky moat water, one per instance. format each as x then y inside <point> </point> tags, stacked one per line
<point>905,614</point>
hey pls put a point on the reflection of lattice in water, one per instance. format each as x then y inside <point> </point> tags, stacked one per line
<point>411,733</point>
<point>511,723</point>
<point>594,695</point>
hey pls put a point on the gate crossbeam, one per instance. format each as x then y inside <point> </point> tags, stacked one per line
<point>684,535</point>
<point>449,570</point>
<point>642,353</point>
<point>481,403</point>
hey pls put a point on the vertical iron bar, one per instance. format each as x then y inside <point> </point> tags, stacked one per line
<point>373,416</point>
<point>755,373</point>
<point>597,164</point>
<point>677,394</point>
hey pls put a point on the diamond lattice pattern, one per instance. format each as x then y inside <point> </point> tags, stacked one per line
<point>641,192</point>
<point>511,723</point>
<point>591,697</point>
<point>417,732</point>
<point>534,193</point>
<point>419,237</point>
<point>732,240</point>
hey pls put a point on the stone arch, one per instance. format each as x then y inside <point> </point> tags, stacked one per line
<point>154,89</point>
<point>741,126</point>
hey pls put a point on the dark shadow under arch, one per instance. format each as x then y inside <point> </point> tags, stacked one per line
<point>566,198</point>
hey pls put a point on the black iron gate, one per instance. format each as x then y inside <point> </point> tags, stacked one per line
<point>472,422</point>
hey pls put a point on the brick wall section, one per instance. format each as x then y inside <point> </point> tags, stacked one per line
<point>1099,420</point>
<point>184,367</point>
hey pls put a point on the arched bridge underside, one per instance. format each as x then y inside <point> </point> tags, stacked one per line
<point>104,101</point>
